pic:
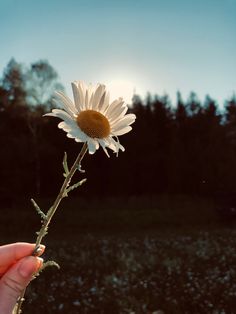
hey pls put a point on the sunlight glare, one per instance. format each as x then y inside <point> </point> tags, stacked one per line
<point>121,88</point>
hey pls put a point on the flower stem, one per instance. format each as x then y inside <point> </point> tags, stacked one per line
<point>46,221</point>
<point>60,196</point>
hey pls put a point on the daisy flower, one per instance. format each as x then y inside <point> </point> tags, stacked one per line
<point>92,119</point>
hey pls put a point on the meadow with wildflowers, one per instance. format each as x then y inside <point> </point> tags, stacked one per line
<point>122,256</point>
<point>190,272</point>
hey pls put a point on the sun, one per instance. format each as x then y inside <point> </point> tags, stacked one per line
<point>121,88</point>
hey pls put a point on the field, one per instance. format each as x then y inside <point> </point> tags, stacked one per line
<point>131,260</point>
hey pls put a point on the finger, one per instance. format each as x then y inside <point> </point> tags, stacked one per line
<point>11,253</point>
<point>15,281</point>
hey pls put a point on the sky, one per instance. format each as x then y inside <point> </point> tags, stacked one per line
<point>160,46</point>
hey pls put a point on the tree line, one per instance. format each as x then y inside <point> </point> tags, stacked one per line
<point>187,148</point>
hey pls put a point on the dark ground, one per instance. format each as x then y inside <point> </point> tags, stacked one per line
<point>141,255</point>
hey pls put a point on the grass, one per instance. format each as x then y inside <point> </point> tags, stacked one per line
<point>133,255</point>
<point>136,214</point>
<point>175,273</point>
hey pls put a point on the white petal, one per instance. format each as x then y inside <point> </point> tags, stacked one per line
<point>78,134</point>
<point>119,116</point>
<point>86,102</point>
<point>111,144</point>
<point>92,146</point>
<point>91,101</point>
<point>105,103</point>
<point>67,103</point>
<point>83,86</point>
<point>83,90</point>
<point>117,145</point>
<point>112,106</point>
<point>103,144</point>
<point>66,126</point>
<point>78,95</point>
<point>122,131</point>
<point>97,96</point>
<point>60,114</point>
<point>75,138</point>
<point>88,96</point>
<point>81,95</point>
<point>125,121</point>
<point>101,102</point>
<point>121,147</point>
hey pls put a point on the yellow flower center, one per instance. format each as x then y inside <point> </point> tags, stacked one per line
<point>93,123</point>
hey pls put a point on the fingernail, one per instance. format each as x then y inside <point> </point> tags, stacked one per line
<point>42,247</point>
<point>30,265</point>
<point>39,262</point>
<point>39,250</point>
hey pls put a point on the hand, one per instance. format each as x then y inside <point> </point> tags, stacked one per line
<point>17,267</point>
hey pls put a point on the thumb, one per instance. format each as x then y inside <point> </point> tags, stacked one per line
<point>15,281</point>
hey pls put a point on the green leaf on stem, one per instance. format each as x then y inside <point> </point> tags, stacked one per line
<point>79,168</point>
<point>48,264</point>
<point>65,165</point>
<point>38,210</point>
<point>76,185</point>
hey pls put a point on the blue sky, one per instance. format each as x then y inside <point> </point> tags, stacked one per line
<point>147,45</point>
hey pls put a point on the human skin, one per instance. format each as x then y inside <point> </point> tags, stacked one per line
<point>17,266</point>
